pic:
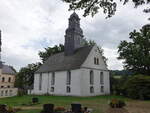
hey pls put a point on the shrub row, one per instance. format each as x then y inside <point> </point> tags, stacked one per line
<point>138,87</point>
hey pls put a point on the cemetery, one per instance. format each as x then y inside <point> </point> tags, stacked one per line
<point>63,104</point>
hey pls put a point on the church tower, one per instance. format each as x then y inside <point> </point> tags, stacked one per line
<point>74,35</point>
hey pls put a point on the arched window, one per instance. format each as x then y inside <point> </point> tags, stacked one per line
<point>101,78</point>
<point>95,60</point>
<point>91,77</point>
<point>53,78</point>
<point>3,79</point>
<point>40,82</point>
<point>9,79</point>
<point>68,77</point>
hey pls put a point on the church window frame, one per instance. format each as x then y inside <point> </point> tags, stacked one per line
<point>52,89</point>
<point>40,81</point>
<point>68,89</point>
<point>91,89</point>
<point>102,89</point>
<point>101,77</point>
<point>53,78</point>
<point>68,81</point>
<point>95,60</point>
<point>91,77</point>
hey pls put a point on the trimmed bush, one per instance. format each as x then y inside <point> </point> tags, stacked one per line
<point>138,87</point>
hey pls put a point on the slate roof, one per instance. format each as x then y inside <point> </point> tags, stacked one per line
<point>60,62</point>
<point>7,70</point>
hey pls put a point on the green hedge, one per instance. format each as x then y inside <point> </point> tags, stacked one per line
<point>138,87</point>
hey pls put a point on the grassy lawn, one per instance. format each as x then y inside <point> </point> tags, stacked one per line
<point>99,103</point>
<point>30,111</point>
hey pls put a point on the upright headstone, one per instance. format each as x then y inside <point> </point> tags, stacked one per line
<point>76,108</point>
<point>48,108</point>
<point>35,100</point>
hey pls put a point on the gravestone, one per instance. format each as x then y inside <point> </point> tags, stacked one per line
<point>35,100</point>
<point>48,108</point>
<point>76,108</point>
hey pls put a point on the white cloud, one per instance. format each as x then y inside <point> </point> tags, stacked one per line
<point>30,25</point>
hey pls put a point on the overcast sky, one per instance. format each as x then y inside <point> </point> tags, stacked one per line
<point>28,26</point>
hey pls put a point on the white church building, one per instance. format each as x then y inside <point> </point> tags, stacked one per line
<point>78,71</point>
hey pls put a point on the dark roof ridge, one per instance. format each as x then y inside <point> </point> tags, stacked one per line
<point>75,50</point>
<point>61,62</point>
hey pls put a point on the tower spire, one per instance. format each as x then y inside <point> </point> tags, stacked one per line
<point>74,35</point>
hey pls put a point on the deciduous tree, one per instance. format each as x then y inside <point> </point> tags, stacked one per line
<point>136,54</point>
<point>107,6</point>
<point>25,77</point>
<point>50,51</point>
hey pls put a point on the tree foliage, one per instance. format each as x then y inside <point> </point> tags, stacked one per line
<point>107,6</point>
<point>136,54</point>
<point>49,51</point>
<point>137,87</point>
<point>117,83</point>
<point>25,77</point>
<point>121,72</point>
